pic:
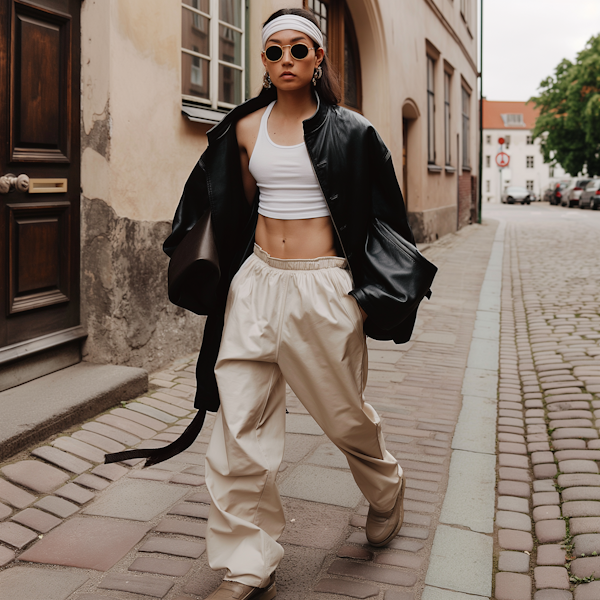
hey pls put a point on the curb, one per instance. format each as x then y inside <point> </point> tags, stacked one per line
<point>40,408</point>
<point>461,563</point>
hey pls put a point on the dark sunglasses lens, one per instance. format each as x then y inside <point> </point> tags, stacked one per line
<point>274,53</point>
<point>299,51</point>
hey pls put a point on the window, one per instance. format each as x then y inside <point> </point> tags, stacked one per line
<point>529,140</point>
<point>488,185</point>
<point>513,119</point>
<point>465,10</point>
<point>212,61</point>
<point>341,45</point>
<point>430,112</point>
<point>529,185</point>
<point>488,140</point>
<point>488,161</point>
<point>447,134</point>
<point>466,157</point>
<point>551,172</point>
<point>530,162</point>
<point>506,142</point>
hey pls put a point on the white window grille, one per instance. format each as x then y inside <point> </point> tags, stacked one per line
<point>530,140</point>
<point>488,161</point>
<point>447,135</point>
<point>529,162</point>
<point>529,185</point>
<point>430,111</point>
<point>488,140</point>
<point>513,120</point>
<point>213,52</point>
<point>466,128</point>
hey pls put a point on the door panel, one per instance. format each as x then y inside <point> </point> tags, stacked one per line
<point>39,124</point>
<point>39,236</point>
<point>40,90</point>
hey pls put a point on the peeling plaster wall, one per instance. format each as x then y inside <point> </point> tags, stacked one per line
<point>137,152</point>
<point>138,149</point>
<point>128,316</point>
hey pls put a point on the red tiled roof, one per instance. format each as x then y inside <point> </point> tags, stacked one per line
<point>493,111</point>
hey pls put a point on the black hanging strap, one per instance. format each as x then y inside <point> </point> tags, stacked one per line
<point>154,456</point>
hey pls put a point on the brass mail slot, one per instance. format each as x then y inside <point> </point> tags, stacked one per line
<point>47,186</point>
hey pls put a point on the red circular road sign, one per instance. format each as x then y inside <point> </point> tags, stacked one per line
<point>502,159</point>
<point>501,140</point>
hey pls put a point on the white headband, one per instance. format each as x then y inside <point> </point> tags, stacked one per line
<point>294,22</point>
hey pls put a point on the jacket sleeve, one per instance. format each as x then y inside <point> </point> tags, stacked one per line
<point>387,202</point>
<point>192,205</point>
<point>372,291</point>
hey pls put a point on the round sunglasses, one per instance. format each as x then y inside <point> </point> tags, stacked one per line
<point>298,51</point>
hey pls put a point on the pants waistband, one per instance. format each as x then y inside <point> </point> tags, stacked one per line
<point>300,264</point>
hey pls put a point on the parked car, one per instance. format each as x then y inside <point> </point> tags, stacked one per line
<point>571,194</point>
<point>591,195</point>
<point>514,194</point>
<point>548,192</point>
<point>558,191</point>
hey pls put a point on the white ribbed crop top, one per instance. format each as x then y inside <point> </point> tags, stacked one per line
<point>287,184</point>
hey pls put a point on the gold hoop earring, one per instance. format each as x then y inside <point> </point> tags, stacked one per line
<point>267,83</point>
<point>317,75</point>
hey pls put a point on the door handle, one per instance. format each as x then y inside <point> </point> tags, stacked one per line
<point>10,182</point>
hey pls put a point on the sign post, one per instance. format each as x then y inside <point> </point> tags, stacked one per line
<point>502,160</point>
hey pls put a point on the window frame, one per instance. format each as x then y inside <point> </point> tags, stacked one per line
<point>448,117</point>
<point>466,127</point>
<point>529,162</point>
<point>214,60</point>
<point>430,86</point>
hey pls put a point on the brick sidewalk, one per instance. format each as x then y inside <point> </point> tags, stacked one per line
<point>548,514</point>
<point>73,528</point>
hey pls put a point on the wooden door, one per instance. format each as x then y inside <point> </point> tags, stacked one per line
<point>405,161</point>
<point>39,139</point>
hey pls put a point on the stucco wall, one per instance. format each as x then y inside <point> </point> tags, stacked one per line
<point>138,149</point>
<point>432,197</point>
<point>137,152</point>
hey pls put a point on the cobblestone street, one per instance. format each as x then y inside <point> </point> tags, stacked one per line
<point>548,514</point>
<point>512,519</point>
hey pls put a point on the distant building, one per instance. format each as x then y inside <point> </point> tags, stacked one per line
<point>513,121</point>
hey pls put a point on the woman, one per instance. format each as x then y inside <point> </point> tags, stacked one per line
<point>295,186</point>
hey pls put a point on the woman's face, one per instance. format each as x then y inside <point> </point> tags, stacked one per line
<point>290,74</point>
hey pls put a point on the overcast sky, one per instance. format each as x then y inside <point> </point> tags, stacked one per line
<point>524,40</point>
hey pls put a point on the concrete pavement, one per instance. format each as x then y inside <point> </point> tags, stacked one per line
<point>509,338</point>
<point>117,532</point>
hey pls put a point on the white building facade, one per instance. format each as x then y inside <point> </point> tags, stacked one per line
<point>513,122</point>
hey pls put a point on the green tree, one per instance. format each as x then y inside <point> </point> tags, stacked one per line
<point>569,122</point>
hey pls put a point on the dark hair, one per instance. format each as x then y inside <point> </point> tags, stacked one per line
<point>328,87</point>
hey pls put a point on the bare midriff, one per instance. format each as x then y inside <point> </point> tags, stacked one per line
<point>296,238</point>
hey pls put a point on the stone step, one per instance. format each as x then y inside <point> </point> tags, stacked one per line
<point>37,409</point>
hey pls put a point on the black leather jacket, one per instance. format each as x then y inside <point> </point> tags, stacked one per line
<point>355,171</point>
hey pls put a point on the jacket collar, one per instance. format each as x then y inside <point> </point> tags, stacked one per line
<point>263,99</point>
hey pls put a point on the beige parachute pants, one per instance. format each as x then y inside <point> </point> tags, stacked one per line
<point>286,320</point>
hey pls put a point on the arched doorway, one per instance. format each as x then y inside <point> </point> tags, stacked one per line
<point>342,47</point>
<point>410,141</point>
